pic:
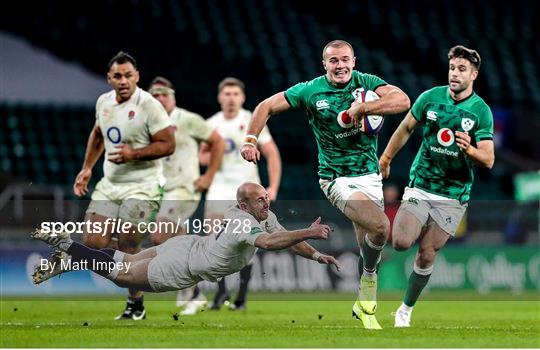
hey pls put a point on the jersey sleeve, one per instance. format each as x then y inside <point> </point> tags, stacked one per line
<point>418,107</point>
<point>243,226</point>
<point>157,116</point>
<point>485,126</point>
<point>295,95</point>
<point>198,128</point>
<point>248,234</point>
<point>98,108</point>
<point>372,82</point>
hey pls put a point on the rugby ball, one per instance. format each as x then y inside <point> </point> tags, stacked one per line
<point>370,124</point>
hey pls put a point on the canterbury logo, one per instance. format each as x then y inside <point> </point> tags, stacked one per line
<point>432,115</point>
<point>322,104</point>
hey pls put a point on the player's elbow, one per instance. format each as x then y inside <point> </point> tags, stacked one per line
<point>486,162</point>
<point>219,144</point>
<point>268,107</point>
<point>169,150</point>
<point>265,243</point>
<point>168,147</point>
<point>167,141</point>
<point>490,162</point>
<point>215,140</point>
<point>263,108</point>
<point>399,100</point>
<point>405,102</point>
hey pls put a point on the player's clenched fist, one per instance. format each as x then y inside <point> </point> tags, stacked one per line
<point>384,165</point>
<point>124,153</point>
<point>463,140</point>
<point>318,230</point>
<point>250,153</point>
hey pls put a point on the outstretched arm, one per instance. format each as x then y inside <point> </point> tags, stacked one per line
<point>272,105</point>
<point>304,249</point>
<point>285,239</point>
<point>397,141</point>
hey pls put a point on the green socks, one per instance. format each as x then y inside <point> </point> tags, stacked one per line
<point>369,257</point>
<point>417,281</point>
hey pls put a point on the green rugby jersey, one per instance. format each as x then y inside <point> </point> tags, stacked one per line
<point>440,167</point>
<point>343,149</point>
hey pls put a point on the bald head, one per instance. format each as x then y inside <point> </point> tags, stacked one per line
<point>248,190</point>
<point>253,198</point>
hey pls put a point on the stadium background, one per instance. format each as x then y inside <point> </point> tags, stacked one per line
<point>54,57</point>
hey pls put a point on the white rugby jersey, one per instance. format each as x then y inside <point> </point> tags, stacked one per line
<point>181,168</point>
<point>132,122</point>
<point>224,253</point>
<point>235,170</point>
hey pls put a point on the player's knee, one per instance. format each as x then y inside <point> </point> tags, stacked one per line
<point>382,228</point>
<point>156,240</point>
<point>401,244</point>
<point>402,236</point>
<point>123,280</point>
<point>129,247</point>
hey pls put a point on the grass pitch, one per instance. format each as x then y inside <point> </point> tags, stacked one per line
<point>303,320</point>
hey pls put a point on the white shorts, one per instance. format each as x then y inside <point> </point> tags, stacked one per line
<point>339,190</point>
<point>446,212</point>
<point>169,269</point>
<point>220,197</point>
<point>130,202</point>
<point>178,203</point>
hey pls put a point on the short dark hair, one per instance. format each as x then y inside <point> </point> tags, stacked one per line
<point>121,58</point>
<point>159,80</point>
<point>470,55</point>
<point>230,81</point>
<point>337,44</point>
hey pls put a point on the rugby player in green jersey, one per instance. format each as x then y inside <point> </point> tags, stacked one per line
<point>348,165</point>
<point>458,133</point>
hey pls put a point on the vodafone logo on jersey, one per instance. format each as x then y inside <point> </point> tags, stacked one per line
<point>344,120</point>
<point>445,137</point>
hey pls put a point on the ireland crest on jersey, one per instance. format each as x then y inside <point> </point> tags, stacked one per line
<point>467,124</point>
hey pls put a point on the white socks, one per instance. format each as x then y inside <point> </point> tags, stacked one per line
<point>406,308</point>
